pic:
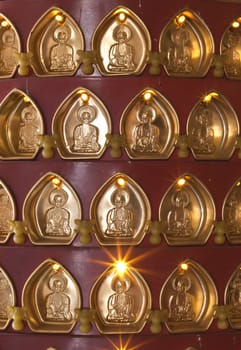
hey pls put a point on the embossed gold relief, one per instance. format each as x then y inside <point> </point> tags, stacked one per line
<point>50,209</point>
<point>20,126</point>
<point>212,128</point>
<point>150,125</point>
<point>187,44</point>
<point>121,42</point>
<point>121,299</point>
<point>230,49</point>
<point>10,46</point>
<point>231,214</point>
<point>54,43</point>
<point>7,299</point>
<point>189,294</point>
<point>80,126</point>
<point>232,299</point>
<point>7,210</point>
<point>121,212</point>
<point>50,297</point>
<point>187,211</point>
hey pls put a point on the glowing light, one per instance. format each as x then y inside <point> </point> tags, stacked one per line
<point>147,96</point>
<point>4,24</point>
<point>26,99</point>
<point>180,19</point>
<point>121,266</point>
<point>238,184</point>
<point>235,24</point>
<point>122,17</point>
<point>56,182</point>
<point>56,267</point>
<point>59,18</point>
<point>121,182</point>
<point>184,266</point>
<point>84,97</point>
<point>181,182</point>
<point>209,97</point>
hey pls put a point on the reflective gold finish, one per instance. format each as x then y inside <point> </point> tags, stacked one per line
<point>232,298</point>
<point>54,43</point>
<point>231,213</point>
<point>10,46</point>
<point>80,126</point>
<point>188,211</point>
<point>49,211</point>
<point>122,43</point>
<point>212,128</point>
<point>188,45</point>
<point>8,212</point>
<point>20,125</point>
<point>50,298</point>
<point>121,212</point>
<point>7,299</point>
<point>189,294</point>
<point>121,300</point>
<point>230,49</point>
<point>150,125</point>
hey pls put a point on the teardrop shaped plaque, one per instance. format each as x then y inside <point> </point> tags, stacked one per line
<point>20,125</point>
<point>122,43</point>
<point>10,46</point>
<point>230,49</point>
<point>50,209</point>
<point>189,294</point>
<point>8,298</point>
<point>150,125</point>
<point>231,213</point>
<point>212,128</point>
<point>54,42</point>
<point>7,212</point>
<point>50,297</point>
<point>188,211</point>
<point>187,44</point>
<point>121,211</point>
<point>80,126</point>
<point>121,300</point>
<point>232,298</point>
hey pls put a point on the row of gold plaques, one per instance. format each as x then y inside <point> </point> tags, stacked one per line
<point>120,300</point>
<point>121,45</point>
<point>120,213</point>
<point>149,127</point>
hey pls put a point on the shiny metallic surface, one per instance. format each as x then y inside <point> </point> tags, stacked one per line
<point>54,42</point>
<point>8,298</point>
<point>187,45</point>
<point>122,42</point>
<point>212,128</point>
<point>8,212</point>
<point>49,211</point>
<point>121,300</point>
<point>20,125</point>
<point>187,211</point>
<point>150,126</point>
<point>121,211</point>
<point>232,298</point>
<point>189,295</point>
<point>80,126</point>
<point>50,297</point>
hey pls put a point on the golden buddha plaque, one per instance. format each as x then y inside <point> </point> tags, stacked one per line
<point>187,45</point>
<point>80,126</point>
<point>10,47</point>
<point>50,298</point>
<point>212,128</point>
<point>121,299</point>
<point>189,295</point>
<point>20,125</point>
<point>54,42</point>
<point>7,300</point>
<point>8,212</point>
<point>121,212</point>
<point>121,42</point>
<point>150,126</point>
<point>232,298</point>
<point>188,212</point>
<point>49,211</point>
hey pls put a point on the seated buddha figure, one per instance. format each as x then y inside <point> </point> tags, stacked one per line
<point>28,130</point>
<point>203,133</point>
<point>8,52</point>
